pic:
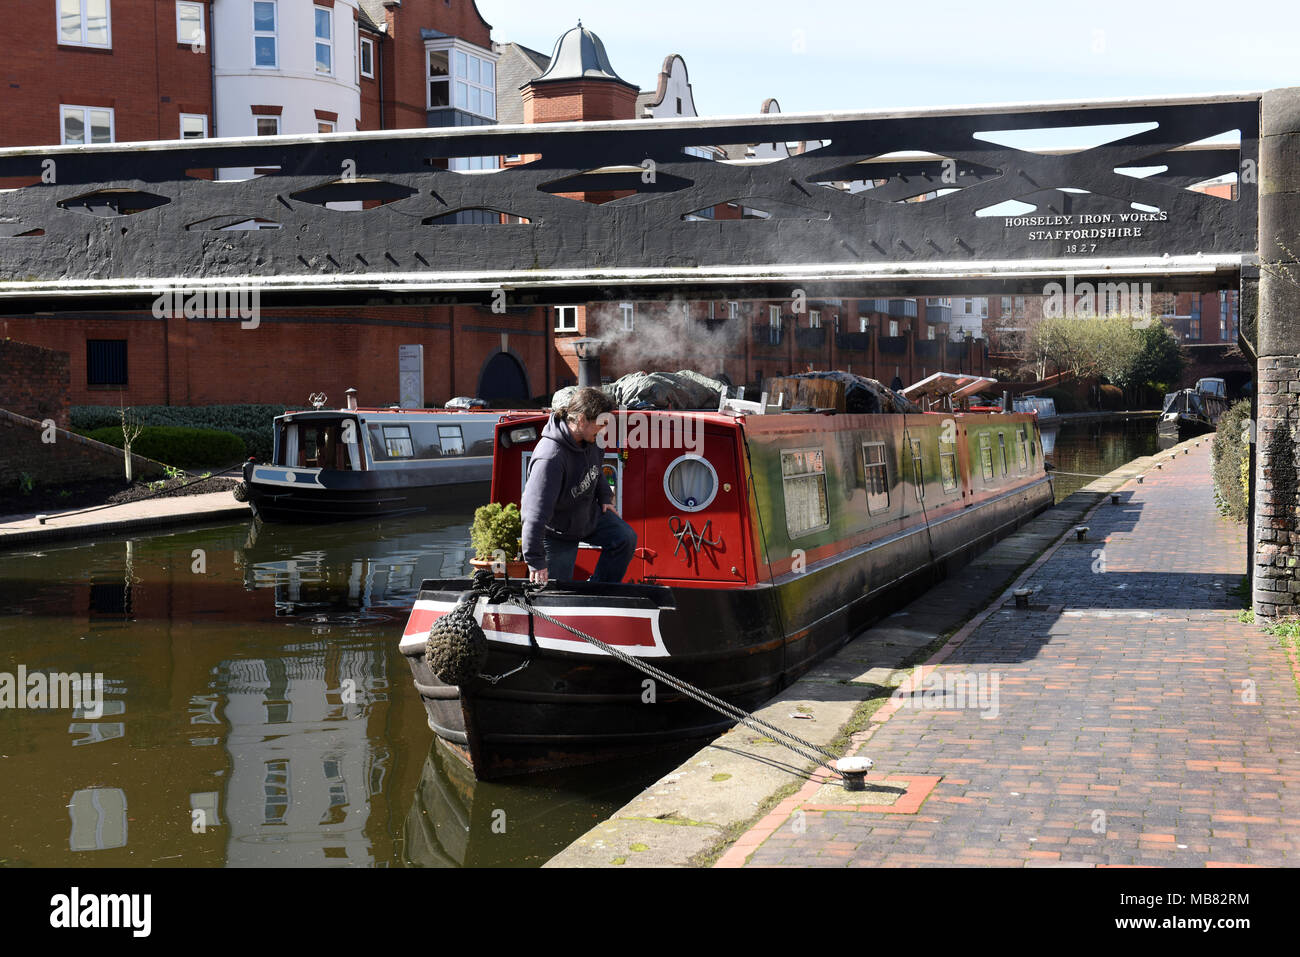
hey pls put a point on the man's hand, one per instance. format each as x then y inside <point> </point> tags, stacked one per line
<point>609,508</point>
<point>538,575</point>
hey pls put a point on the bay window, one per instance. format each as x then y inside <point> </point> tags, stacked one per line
<point>462,77</point>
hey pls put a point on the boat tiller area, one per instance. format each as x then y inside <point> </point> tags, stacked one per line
<point>851,770</point>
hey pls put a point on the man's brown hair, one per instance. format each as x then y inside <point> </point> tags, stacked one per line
<point>587,401</point>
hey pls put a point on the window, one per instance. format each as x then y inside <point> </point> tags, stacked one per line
<point>397,442</point>
<point>1022,446</point>
<point>814,319</point>
<point>189,23</point>
<point>986,456</point>
<point>85,23</point>
<point>194,126</point>
<point>450,440</point>
<point>1006,304</point>
<point>264,28</point>
<point>462,79</point>
<point>969,304</point>
<point>275,786</point>
<point>803,477</point>
<point>566,318</point>
<point>268,125</point>
<point>918,470</point>
<point>733,310</point>
<point>629,314</point>
<point>691,483</point>
<point>877,476</point>
<point>324,40</point>
<point>324,126</point>
<point>80,120</point>
<point>929,332</point>
<point>106,362</point>
<point>774,325</point>
<point>893,327</point>
<point>948,464</point>
<point>367,57</point>
<point>1002,451</point>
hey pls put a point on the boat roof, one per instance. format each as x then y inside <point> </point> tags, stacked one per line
<point>948,383</point>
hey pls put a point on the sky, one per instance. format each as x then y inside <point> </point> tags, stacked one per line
<point>820,55</point>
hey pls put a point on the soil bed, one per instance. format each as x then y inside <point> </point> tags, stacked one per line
<point>108,492</point>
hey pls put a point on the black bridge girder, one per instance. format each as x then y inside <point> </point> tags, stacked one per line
<point>111,224</point>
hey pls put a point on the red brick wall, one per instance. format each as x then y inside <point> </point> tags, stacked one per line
<point>147,78</point>
<point>34,381</point>
<point>69,458</point>
<point>290,354</point>
<point>571,100</point>
<point>405,98</point>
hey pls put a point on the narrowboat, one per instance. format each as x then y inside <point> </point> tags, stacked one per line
<point>331,465</point>
<point>1195,411</point>
<point>766,540</point>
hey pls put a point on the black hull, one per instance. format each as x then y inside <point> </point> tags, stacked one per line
<point>742,644</point>
<point>1185,427</point>
<point>316,506</point>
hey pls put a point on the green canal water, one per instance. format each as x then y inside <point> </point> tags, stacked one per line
<point>256,710</point>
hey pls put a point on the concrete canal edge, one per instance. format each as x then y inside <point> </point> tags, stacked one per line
<point>694,815</point>
<point>24,532</point>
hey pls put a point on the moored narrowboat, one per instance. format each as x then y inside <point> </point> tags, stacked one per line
<point>1195,411</point>
<point>332,465</point>
<point>762,549</point>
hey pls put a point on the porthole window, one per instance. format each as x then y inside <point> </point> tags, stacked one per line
<point>690,483</point>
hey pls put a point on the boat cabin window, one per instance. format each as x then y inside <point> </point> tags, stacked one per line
<point>877,476</point>
<point>1002,451</point>
<point>397,441</point>
<point>948,464</point>
<point>325,444</point>
<point>450,440</point>
<point>1022,444</point>
<point>986,456</point>
<point>803,477</point>
<point>918,470</point>
<point>690,483</point>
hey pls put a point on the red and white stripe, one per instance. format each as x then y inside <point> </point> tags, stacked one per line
<point>634,631</point>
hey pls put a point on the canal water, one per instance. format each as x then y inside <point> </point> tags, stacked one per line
<point>256,711</point>
<point>1094,448</point>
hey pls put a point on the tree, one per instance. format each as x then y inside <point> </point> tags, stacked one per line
<point>131,429</point>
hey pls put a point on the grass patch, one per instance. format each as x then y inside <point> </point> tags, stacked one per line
<point>1246,616</point>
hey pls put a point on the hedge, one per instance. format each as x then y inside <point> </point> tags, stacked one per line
<point>1230,463</point>
<point>252,423</point>
<point>187,448</point>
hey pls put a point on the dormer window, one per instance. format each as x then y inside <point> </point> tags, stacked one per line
<point>461,76</point>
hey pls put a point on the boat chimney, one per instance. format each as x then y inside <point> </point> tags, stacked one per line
<point>588,352</point>
<point>352,398</point>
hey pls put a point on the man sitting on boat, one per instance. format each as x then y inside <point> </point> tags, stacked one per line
<point>566,499</point>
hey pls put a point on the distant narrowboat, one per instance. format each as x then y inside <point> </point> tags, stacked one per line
<point>760,552</point>
<point>1194,411</point>
<point>331,465</point>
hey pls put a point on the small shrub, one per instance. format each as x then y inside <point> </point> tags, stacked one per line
<point>1230,463</point>
<point>190,448</point>
<point>496,528</point>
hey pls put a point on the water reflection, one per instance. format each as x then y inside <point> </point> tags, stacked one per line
<point>1095,448</point>
<point>256,711</point>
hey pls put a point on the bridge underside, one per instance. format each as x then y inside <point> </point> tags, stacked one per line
<point>621,210</point>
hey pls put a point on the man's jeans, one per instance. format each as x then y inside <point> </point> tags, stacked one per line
<point>616,539</point>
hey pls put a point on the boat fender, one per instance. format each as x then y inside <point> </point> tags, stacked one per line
<point>241,492</point>
<point>457,649</point>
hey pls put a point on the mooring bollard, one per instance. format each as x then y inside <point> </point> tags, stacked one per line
<point>1139,480</point>
<point>854,772</point>
<point>1114,498</point>
<point>1081,532</point>
<point>1022,597</point>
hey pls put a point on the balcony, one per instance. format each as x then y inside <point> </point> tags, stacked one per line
<point>767,335</point>
<point>928,349</point>
<point>810,338</point>
<point>902,308</point>
<point>853,341</point>
<point>938,313</point>
<point>873,305</point>
<point>892,345</point>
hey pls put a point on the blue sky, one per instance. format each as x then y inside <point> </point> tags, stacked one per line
<point>815,55</point>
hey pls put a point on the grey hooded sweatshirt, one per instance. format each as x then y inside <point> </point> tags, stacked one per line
<point>564,491</point>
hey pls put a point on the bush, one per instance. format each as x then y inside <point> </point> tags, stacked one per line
<point>188,448</point>
<point>1230,463</point>
<point>1066,401</point>
<point>496,528</point>
<point>252,423</point>
<point>1112,398</point>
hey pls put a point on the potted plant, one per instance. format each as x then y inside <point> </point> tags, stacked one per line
<point>497,539</point>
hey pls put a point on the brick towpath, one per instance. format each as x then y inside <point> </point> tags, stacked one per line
<point>1134,720</point>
